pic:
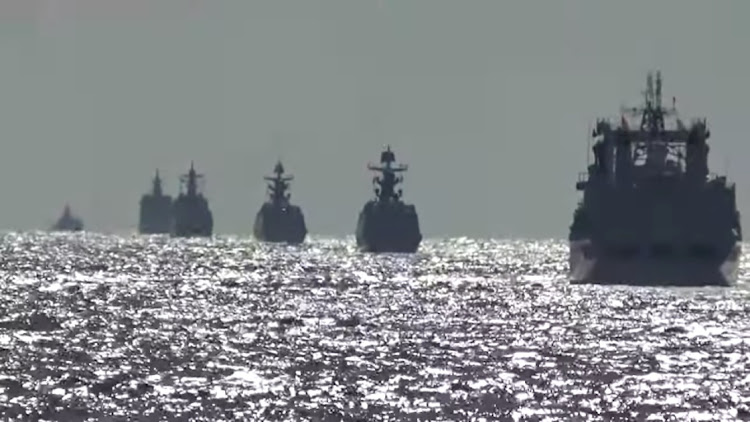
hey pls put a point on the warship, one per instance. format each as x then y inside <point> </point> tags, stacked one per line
<point>386,223</point>
<point>651,213</point>
<point>191,214</point>
<point>156,210</point>
<point>68,222</point>
<point>278,220</point>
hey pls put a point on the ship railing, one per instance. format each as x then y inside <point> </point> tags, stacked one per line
<point>723,180</point>
<point>713,177</point>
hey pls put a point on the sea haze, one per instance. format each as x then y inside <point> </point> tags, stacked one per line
<point>109,328</point>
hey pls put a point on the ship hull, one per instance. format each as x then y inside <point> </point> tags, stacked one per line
<point>383,228</point>
<point>71,224</point>
<point>280,225</point>
<point>188,230</point>
<point>192,218</point>
<point>589,265</point>
<point>155,215</point>
<point>68,227</point>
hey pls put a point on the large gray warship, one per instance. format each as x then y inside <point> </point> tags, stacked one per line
<point>68,222</point>
<point>651,212</point>
<point>191,214</point>
<point>156,210</point>
<point>278,220</point>
<point>386,223</point>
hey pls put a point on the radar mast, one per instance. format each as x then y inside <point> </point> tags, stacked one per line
<point>387,180</point>
<point>190,181</point>
<point>277,189</point>
<point>156,189</point>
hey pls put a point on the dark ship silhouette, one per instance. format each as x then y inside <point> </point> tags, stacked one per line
<point>191,215</point>
<point>386,223</point>
<point>156,210</point>
<point>651,213</point>
<point>278,220</point>
<point>68,222</point>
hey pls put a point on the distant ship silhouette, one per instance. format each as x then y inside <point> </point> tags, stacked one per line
<point>156,210</point>
<point>192,216</point>
<point>278,220</point>
<point>386,223</point>
<point>68,222</point>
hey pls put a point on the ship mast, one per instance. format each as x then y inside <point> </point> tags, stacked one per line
<point>156,190</point>
<point>277,189</point>
<point>652,113</point>
<point>190,180</point>
<point>387,180</point>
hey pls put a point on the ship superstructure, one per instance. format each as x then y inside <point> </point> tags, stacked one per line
<point>191,214</point>
<point>155,210</point>
<point>278,220</point>
<point>386,223</point>
<point>651,211</point>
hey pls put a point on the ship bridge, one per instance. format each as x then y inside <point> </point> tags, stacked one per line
<point>650,141</point>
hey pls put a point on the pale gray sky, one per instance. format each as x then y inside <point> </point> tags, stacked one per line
<point>487,101</point>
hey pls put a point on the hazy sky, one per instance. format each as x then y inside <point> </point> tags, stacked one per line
<point>487,101</point>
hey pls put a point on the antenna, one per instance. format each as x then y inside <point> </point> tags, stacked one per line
<point>588,146</point>
<point>657,100</point>
<point>277,143</point>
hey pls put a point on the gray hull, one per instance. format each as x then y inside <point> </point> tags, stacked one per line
<point>68,226</point>
<point>155,215</point>
<point>388,228</point>
<point>280,225</point>
<point>192,218</point>
<point>588,265</point>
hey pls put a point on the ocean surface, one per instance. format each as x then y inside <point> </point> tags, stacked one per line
<point>97,327</point>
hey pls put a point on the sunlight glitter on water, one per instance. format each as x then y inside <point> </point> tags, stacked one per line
<point>100,326</point>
